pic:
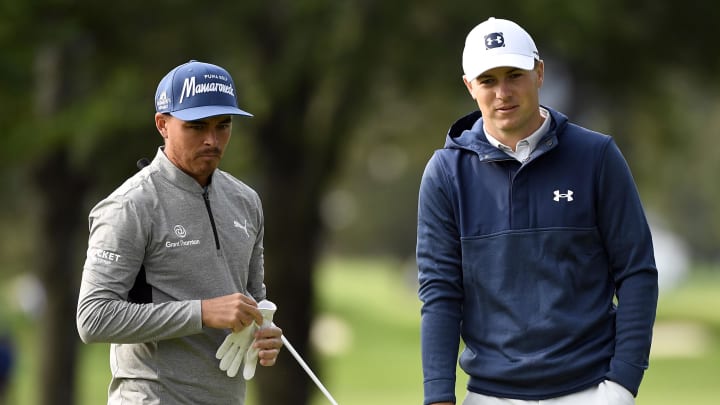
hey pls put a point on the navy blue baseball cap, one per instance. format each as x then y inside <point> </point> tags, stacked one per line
<point>196,90</point>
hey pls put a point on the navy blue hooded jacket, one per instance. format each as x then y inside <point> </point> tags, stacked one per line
<point>524,261</point>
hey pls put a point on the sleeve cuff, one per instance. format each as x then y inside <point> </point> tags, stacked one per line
<point>196,315</point>
<point>439,391</point>
<point>626,374</point>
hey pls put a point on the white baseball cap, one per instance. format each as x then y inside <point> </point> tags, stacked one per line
<point>495,43</point>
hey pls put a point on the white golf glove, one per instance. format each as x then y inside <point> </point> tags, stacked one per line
<point>234,348</point>
<point>232,351</point>
<point>267,309</point>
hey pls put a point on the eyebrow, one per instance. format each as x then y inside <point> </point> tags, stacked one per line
<point>510,70</point>
<point>227,120</point>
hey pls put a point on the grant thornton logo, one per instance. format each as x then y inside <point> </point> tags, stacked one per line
<point>180,231</point>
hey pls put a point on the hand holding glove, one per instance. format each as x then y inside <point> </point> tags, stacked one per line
<point>237,345</point>
<point>267,309</point>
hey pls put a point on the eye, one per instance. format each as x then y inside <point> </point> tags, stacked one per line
<point>486,81</point>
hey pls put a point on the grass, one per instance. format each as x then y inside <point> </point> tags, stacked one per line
<point>371,314</point>
<point>685,359</point>
<point>382,310</point>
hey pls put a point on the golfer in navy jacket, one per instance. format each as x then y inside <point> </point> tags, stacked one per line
<point>533,246</point>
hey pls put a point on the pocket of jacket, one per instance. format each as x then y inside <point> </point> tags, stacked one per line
<point>617,394</point>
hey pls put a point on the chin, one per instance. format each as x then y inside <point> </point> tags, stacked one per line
<point>206,166</point>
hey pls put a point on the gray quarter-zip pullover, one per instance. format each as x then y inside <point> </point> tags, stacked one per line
<point>193,244</point>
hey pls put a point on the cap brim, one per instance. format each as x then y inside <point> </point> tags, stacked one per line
<point>198,113</point>
<point>505,60</point>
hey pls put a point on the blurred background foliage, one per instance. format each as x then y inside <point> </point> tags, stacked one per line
<point>350,99</point>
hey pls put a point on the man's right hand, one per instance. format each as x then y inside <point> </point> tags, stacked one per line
<point>234,311</point>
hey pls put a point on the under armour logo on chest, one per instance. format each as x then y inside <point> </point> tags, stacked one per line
<point>558,195</point>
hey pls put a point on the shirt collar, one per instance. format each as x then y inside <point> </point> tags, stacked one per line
<point>176,176</point>
<point>526,145</point>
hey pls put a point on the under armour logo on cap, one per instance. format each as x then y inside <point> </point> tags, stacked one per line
<point>494,40</point>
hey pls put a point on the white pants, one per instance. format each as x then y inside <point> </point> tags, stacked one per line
<point>606,393</point>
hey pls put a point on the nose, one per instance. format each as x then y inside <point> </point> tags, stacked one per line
<point>504,90</point>
<point>211,137</point>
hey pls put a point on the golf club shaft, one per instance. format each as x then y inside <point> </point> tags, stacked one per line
<point>309,372</point>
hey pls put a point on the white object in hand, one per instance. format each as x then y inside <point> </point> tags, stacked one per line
<point>267,309</point>
<point>232,351</point>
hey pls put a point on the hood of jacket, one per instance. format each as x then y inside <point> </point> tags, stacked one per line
<point>467,133</point>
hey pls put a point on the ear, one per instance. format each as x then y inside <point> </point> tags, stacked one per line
<point>468,85</point>
<point>540,72</point>
<point>161,122</point>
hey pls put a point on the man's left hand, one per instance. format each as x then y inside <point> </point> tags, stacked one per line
<point>268,342</point>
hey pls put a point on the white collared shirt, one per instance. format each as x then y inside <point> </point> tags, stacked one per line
<point>526,145</point>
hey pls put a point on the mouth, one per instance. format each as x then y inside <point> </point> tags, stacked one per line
<point>209,154</point>
<point>506,108</point>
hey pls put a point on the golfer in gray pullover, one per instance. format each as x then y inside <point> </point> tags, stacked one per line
<point>175,256</point>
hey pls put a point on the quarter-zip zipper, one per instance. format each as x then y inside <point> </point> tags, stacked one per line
<point>206,197</point>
